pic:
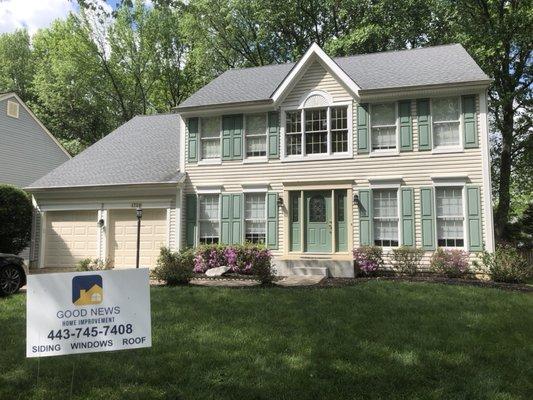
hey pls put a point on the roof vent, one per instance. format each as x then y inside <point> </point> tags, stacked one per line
<point>12,109</point>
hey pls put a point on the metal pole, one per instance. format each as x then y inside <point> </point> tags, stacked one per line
<point>138,237</point>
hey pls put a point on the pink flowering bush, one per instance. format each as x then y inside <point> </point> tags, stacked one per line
<point>452,263</point>
<point>368,259</point>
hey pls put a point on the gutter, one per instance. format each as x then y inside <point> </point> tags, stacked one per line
<point>180,109</point>
<point>106,185</point>
<point>378,91</point>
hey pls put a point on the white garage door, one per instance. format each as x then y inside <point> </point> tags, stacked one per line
<point>70,236</point>
<point>123,237</point>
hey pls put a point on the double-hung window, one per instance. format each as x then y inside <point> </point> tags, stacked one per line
<point>383,126</point>
<point>450,218</point>
<point>256,135</point>
<point>208,218</point>
<point>445,113</point>
<point>313,131</point>
<point>210,138</point>
<point>255,217</point>
<point>385,207</point>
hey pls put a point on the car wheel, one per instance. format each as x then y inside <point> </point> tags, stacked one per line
<point>10,280</point>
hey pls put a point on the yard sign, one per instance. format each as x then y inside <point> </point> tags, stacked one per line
<point>86,312</point>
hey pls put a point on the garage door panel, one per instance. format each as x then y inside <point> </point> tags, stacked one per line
<point>70,236</point>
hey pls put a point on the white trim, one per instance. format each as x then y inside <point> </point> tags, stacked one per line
<point>307,95</point>
<point>209,189</point>
<point>42,240</point>
<point>447,149</point>
<point>488,218</point>
<point>456,148</point>
<point>178,218</point>
<point>385,152</point>
<point>11,103</point>
<point>184,131</point>
<point>254,187</point>
<point>107,204</point>
<point>463,199</point>
<point>201,159</point>
<point>331,65</point>
<point>8,95</point>
<point>253,159</point>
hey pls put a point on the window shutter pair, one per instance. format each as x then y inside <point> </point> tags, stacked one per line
<point>231,218</point>
<point>473,218</point>
<point>193,139</point>
<point>190,219</point>
<point>273,135</point>
<point>232,137</point>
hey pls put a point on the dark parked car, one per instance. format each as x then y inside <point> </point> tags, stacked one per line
<point>12,273</point>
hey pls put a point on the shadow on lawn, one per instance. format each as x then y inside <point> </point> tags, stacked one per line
<point>373,340</point>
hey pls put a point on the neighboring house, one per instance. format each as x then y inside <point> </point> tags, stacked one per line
<point>313,159</point>
<point>28,150</point>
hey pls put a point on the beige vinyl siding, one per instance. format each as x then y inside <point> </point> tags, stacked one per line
<point>415,167</point>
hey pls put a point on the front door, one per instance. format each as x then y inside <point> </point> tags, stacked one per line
<point>318,222</point>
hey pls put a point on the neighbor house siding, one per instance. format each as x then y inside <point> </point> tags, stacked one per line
<point>27,152</point>
<point>415,167</point>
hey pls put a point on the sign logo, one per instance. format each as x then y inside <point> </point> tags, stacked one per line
<point>87,290</point>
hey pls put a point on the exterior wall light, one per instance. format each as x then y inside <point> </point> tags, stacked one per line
<point>356,200</point>
<point>280,202</point>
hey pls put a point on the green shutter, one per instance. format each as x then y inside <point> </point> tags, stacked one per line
<point>272,220</point>
<point>193,139</point>
<point>424,125</point>
<point>341,231</point>
<point>427,213</point>
<point>228,125</point>
<point>362,129</point>
<point>273,135</point>
<point>236,218</point>
<point>473,211</point>
<point>231,219</point>
<point>295,205</point>
<point>407,216</point>
<point>406,129</point>
<point>365,217</point>
<point>469,120</point>
<point>225,219</point>
<point>190,220</point>
<point>237,137</point>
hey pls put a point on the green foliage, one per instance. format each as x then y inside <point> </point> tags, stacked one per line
<point>406,259</point>
<point>368,259</point>
<point>15,219</point>
<point>174,268</point>
<point>451,263</point>
<point>96,264</point>
<point>17,64</point>
<point>506,264</point>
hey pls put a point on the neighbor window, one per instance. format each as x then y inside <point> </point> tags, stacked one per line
<point>383,126</point>
<point>255,217</point>
<point>385,207</point>
<point>208,218</point>
<point>446,120</point>
<point>210,138</point>
<point>256,135</point>
<point>450,219</point>
<point>323,130</point>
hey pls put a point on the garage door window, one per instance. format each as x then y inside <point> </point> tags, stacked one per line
<point>208,218</point>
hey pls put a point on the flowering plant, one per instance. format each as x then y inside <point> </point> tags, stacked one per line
<point>452,263</point>
<point>368,259</point>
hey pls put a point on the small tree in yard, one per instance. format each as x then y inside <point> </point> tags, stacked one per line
<point>15,219</point>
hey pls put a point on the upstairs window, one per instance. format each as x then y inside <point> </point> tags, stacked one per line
<point>316,131</point>
<point>256,135</point>
<point>383,126</point>
<point>208,218</point>
<point>293,129</point>
<point>210,138</point>
<point>339,129</point>
<point>385,207</point>
<point>445,114</point>
<point>450,218</point>
<point>255,217</point>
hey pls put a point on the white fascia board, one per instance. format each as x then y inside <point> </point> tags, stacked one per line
<point>331,65</point>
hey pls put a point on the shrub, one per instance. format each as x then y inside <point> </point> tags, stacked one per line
<point>451,263</point>
<point>506,265</point>
<point>15,219</point>
<point>368,259</point>
<point>209,256</point>
<point>406,259</point>
<point>89,264</point>
<point>174,268</point>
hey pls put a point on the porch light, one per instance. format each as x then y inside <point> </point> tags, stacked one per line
<point>139,212</point>
<point>280,202</point>
<point>101,223</point>
<point>356,200</point>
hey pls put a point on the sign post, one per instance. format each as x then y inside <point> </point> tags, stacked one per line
<point>83,312</point>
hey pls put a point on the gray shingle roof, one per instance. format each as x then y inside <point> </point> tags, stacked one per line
<point>143,150</point>
<point>391,69</point>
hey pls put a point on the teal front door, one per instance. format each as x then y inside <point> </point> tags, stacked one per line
<point>318,218</point>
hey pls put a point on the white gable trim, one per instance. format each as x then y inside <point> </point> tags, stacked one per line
<point>10,95</point>
<point>314,52</point>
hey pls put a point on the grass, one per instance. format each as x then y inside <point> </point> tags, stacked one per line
<point>375,340</point>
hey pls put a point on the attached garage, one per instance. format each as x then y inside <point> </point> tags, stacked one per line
<point>123,236</point>
<point>70,236</point>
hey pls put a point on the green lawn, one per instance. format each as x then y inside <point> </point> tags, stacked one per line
<point>380,340</point>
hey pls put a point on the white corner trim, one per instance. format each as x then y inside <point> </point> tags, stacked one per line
<point>488,217</point>
<point>254,187</point>
<point>209,189</point>
<point>328,62</point>
<point>183,136</point>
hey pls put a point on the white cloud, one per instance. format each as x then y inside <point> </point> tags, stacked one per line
<point>32,14</point>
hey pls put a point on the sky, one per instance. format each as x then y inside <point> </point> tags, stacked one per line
<point>35,14</point>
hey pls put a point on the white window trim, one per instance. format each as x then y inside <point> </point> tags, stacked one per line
<point>253,159</point>
<point>323,156</point>
<point>459,148</point>
<point>201,159</point>
<point>463,197</point>
<point>385,152</point>
<point>398,215</point>
<point>198,220</point>
<point>243,239</point>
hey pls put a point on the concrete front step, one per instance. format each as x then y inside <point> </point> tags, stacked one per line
<point>320,271</point>
<point>315,266</point>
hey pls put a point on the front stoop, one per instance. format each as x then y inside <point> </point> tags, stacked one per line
<point>320,271</point>
<point>315,267</point>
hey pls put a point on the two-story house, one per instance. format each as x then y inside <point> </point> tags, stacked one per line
<point>313,159</point>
